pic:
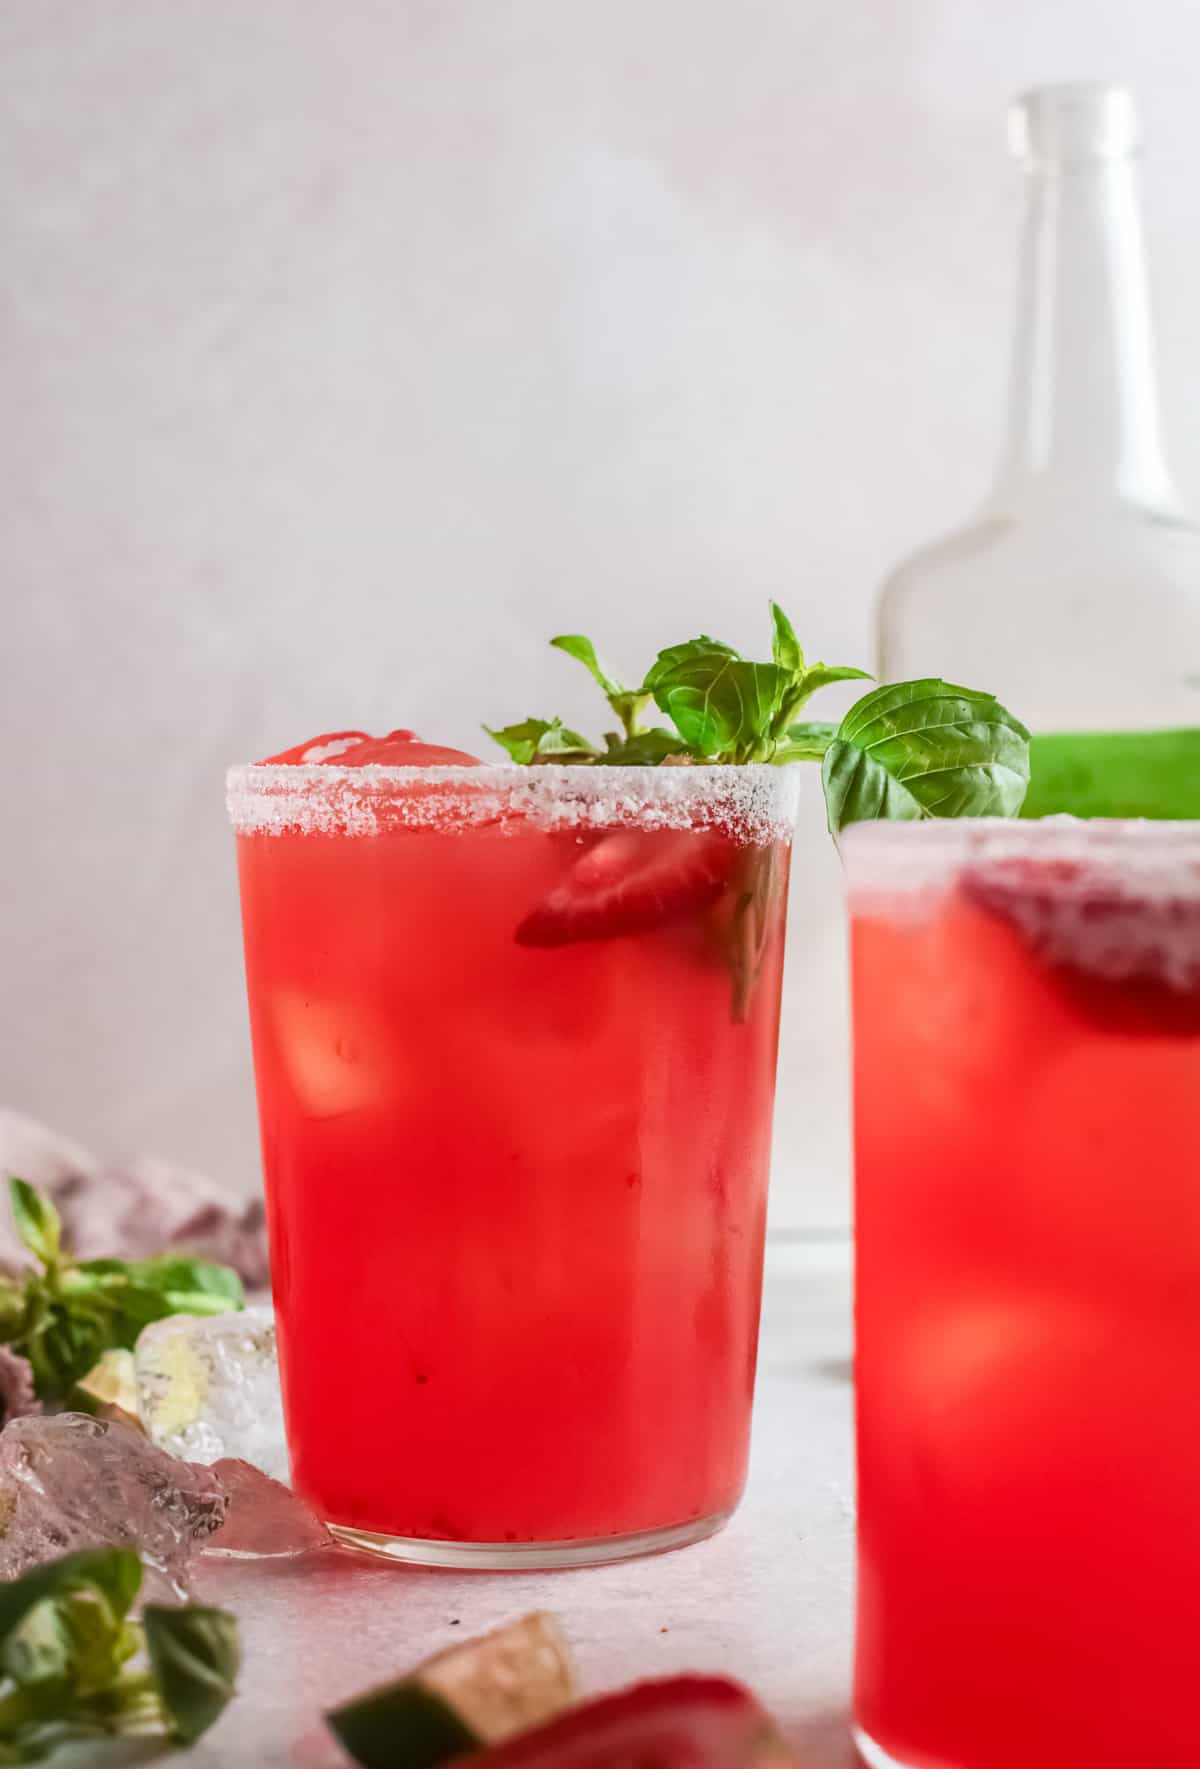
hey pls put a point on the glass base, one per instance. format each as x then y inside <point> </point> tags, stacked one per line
<point>875,1757</point>
<point>526,1556</point>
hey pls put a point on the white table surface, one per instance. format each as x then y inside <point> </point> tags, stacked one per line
<point>768,1600</point>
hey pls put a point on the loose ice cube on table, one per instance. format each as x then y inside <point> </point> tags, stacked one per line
<point>70,1481</point>
<point>266,1520</point>
<point>208,1386</point>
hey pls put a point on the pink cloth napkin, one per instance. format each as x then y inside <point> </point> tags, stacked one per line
<point>131,1210</point>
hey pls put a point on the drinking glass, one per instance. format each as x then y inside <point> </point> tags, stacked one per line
<point>1027,1069</point>
<point>514,1039</point>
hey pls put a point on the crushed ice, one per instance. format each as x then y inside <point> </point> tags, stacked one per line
<point>208,1386</point>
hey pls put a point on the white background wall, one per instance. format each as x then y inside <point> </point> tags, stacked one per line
<point>348,352</point>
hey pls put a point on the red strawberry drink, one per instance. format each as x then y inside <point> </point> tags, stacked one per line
<point>514,1036</point>
<point>1027,1054</point>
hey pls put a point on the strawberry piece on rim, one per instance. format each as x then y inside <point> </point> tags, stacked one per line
<point>629,881</point>
<point>358,749</point>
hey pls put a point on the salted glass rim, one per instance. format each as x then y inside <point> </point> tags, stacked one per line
<point>1059,834</point>
<point>890,860</point>
<point>755,799</point>
<point>412,774</point>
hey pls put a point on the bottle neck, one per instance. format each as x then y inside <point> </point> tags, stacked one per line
<point>1084,421</point>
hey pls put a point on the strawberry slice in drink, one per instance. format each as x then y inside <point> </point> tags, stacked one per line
<point>629,881</point>
<point>686,1722</point>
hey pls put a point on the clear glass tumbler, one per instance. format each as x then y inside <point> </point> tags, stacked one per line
<point>514,1037</point>
<point>1027,1069</point>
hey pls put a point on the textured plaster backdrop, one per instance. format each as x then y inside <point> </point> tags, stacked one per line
<point>349,352</point>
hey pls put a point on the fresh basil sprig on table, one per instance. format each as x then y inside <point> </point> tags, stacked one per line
<point>66,1314</point>
<point>907,750</point>
<point>66,1645</point>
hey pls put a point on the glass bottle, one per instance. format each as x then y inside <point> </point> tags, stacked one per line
<point>1075,594</point>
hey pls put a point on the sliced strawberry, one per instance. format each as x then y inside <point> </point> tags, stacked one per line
<point>686,1722</point>
<point>404,749</point>
<point>357,749</point>
<point>1130,952</point>
<point>629,881</point>
<point>326,748</point>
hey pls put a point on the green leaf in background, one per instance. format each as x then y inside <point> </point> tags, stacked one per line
<point>37,1221</point>
<point>534,738</point>
<point>1115,774</point>
<point>194,1660</point>
<point>785,646</point>
<point>722,705</point>
<point>925,749</point>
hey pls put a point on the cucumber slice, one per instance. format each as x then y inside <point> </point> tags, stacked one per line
<point>461,1700</point>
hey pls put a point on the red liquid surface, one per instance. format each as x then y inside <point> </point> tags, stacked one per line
<point>516,1193</point>
<point>1028,1328</point>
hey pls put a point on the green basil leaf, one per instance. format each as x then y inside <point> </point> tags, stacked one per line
<point>114,1573</point>
<point>32,1740</point>
<point>581,648</point>
<point>541,737</point>
<point>68,1322</point>
<point>785,646</point>
<point>925,749</point>
<point>173,1273</point>
<point>805,686</point>
<point>130,1306</point>
<point>722,705</point>
<point>676,655</point>
<point>522,740</point>
<point>629,706</point>
<point>561,743</point>
<point>12,1309</point>
<point>37,1221</point>
<point>805,742</point>
<point>76,1639</point>
<point>63,1342</point>
<point>194,1661</point>
<point>200,1302</point>
<point>645,750</point>
<point>628,703</point>
<point>822,674</point>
